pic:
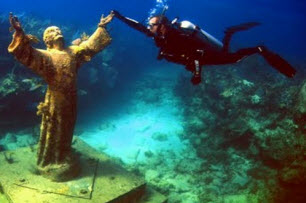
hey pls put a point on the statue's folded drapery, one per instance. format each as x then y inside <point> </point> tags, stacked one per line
<point>59,69</point>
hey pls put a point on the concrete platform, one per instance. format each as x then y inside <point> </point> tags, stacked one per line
<point>102,180</point>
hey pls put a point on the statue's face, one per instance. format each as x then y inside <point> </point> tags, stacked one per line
<point>52,34</point>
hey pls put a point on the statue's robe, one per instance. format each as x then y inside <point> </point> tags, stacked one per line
<point>59,70</point>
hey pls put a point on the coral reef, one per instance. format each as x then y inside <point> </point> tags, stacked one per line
<point>8,85</point>
<point>258,121</point>
<point>241,140</point>
<point>19,139</point>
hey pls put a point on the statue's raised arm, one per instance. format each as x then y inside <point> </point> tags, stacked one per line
<point>96,42</point>
<point>58,65</point>
<point>15,23</point>
<point>35,59</point>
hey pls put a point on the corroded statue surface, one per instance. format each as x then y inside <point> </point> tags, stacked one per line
<point>58,66</point>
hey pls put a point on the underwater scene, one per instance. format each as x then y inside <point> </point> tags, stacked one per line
<point>175,101</point>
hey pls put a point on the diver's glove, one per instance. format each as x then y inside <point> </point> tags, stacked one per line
<point>117,14</point>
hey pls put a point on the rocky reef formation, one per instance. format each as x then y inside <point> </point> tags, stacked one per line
<point>251,127</point>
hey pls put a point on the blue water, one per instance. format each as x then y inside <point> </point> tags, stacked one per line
<point>283,23</point>
<point>131,105</point>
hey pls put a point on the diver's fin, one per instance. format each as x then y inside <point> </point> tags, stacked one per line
<point>231,30</point>
<point>277,62</point>
<point>241,27</point>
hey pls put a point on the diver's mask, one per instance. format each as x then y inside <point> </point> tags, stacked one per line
<point>161,19</point>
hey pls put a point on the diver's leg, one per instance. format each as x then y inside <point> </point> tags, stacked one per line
<point>232,30</point>
<point>228,58</point>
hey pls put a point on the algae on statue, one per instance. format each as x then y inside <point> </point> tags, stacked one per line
<point>58,66</point>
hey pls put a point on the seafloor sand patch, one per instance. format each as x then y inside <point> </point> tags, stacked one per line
<point>151,124</point>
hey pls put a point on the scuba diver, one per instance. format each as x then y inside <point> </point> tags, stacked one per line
<point>187,44</point>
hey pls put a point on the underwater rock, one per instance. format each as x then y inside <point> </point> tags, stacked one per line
<point>294,189</point>
<point>251,118</point>
<point>2,147</point>
<point>293,184</point>
<point>10,138</point>
<point>249,198</point>
<point>149,154</point>
<point>8,85</point>
<point>150,175</point>
<point>247,83</point>
<point>255,99</point>
<point>240,141</point>
<point>301,104</point>
<point>26,140</point>
<point>16,140</point>
<point>240,179</point>
<point>293,176</point>
<point>186,197</point>
<point>197,123</point>
<point>280,146</point>
<point>160,136</point>
<point>260,172</point>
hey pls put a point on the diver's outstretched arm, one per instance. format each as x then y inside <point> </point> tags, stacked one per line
<point>133,23</point>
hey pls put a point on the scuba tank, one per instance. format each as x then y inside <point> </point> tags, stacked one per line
<point>208,40</point>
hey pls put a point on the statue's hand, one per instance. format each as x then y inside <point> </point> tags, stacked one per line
<point>106,20</point>
<point>15,23</point>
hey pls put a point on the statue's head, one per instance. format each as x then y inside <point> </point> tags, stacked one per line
<point>53,35</point>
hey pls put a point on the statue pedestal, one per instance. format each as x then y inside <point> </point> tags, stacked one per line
<point>101,180</point>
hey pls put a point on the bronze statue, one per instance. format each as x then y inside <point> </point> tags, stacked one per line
<point>58,66</point>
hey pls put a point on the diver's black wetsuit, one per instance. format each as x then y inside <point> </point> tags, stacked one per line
<point>187,47</point>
